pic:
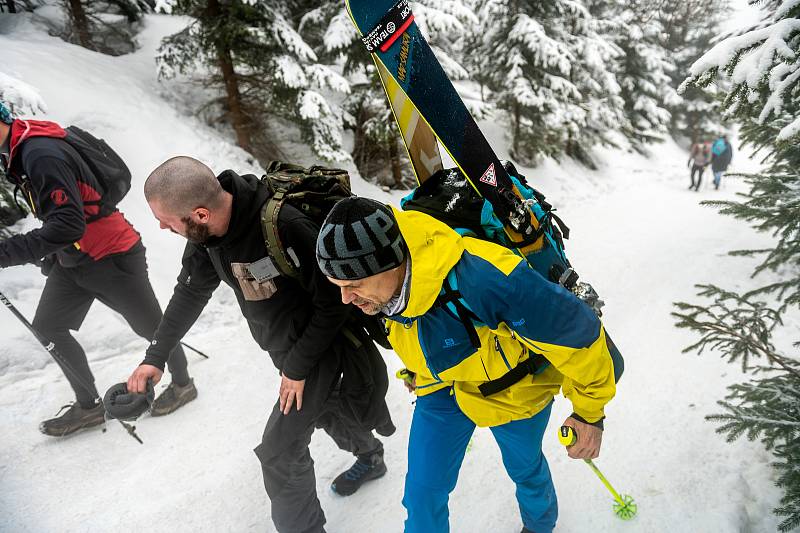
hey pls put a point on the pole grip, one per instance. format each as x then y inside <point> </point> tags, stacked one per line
<point>567,436</point>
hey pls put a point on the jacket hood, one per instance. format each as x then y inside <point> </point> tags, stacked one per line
<point>25,129</point>
<point>249,195</point>
<point>434,249</point>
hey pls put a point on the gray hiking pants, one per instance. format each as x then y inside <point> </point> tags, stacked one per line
<point>287,464</point>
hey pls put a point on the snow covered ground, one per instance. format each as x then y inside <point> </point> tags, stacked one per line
<point>638,235</point>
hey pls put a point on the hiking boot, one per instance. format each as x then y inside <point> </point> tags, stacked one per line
<point>367,467</point>
<point>173,397</point>
<point>74,418</point>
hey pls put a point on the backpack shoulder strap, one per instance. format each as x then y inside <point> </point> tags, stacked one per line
<point>272,240</point>
<point>451,299</point>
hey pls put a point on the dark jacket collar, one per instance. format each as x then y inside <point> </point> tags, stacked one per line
<point>249,195</point>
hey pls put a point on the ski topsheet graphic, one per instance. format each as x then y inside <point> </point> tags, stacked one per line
<point>399,49</point>
<point>419,140</point>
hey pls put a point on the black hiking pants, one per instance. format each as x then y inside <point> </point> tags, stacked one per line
<point>120,282</point>
<point>285,458</point>
<point>699,169</point>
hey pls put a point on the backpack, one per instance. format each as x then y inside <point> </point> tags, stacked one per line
<point>313,191</point>
<point>449,197</point>
<point>108,167</point>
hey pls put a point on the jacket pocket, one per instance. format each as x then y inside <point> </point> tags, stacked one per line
<point>253,290</point>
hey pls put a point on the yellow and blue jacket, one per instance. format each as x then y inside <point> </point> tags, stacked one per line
<point>521,314</point>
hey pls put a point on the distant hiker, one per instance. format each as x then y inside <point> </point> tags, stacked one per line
<point>721,155</point>
<point>332,375</point>
<point>88,251</point>
<point>444,294</point>
<point>699,158</point>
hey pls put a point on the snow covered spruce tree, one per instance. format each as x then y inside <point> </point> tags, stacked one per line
<point>251,53</point>
<point>553,72</point>
<point>762,69</point>
<point>377,146</point>
<point>689,27</point>
<point>642,68</point>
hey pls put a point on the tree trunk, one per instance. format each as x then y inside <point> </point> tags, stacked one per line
<point>394,157</point>
<point>234,97</point>
<point>515,135</point>
<point>81,23</point>
<point>12,6</point>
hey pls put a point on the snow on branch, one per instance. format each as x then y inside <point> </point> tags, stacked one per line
<point>286,35</point>
<point>548,52</point>
<point>763,47</point>
<point>340,33</point>
<point>324,77</point>
<point>20,97</point>
<point>762,64</point>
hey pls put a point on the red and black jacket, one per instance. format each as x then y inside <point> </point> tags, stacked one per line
<point>63,192</point>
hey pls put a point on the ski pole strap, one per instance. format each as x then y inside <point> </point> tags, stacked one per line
<point>453,297</point>
<point>530,366</point>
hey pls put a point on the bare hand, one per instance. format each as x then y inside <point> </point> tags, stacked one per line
<point>589,440</point>
<point>290,391</point>
<point>411,383</point>
<point>138,380</point>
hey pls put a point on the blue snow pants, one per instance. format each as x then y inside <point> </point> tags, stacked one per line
<point>440,433</point>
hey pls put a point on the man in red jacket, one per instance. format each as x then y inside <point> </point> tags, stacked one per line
<point>86,255</point>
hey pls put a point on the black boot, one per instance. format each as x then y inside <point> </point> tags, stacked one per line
<point>367,467</point>
<point>173,397</point>
<point>73,419</point>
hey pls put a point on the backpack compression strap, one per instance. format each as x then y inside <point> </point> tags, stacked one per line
<point>534,364</point>
<point>269,227</point>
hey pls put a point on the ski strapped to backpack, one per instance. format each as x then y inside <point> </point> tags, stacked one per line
<point>448,197</point>
<point>313,191</point>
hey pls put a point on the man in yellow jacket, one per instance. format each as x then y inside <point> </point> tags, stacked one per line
<point>489,342</point>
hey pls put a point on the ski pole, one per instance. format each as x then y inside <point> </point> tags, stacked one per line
<point>195,350</point>
<point>624,506</point>
<point>51,349</point>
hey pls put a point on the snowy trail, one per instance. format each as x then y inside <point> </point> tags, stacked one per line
<point>638,235</point>
<point>196,471</point>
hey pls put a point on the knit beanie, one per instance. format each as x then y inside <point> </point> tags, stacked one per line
<point>359,238</point>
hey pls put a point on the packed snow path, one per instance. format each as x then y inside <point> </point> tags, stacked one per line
<point>638,235</point>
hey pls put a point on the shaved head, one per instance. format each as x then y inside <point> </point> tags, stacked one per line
<point>182,184</point>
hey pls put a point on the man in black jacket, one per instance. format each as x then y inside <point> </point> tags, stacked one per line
<point>309,334</point>
<point>86,255</point>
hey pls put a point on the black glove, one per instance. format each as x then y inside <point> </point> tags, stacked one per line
<point>121,404</point>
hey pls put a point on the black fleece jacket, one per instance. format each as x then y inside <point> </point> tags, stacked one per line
<point>297,325</point>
